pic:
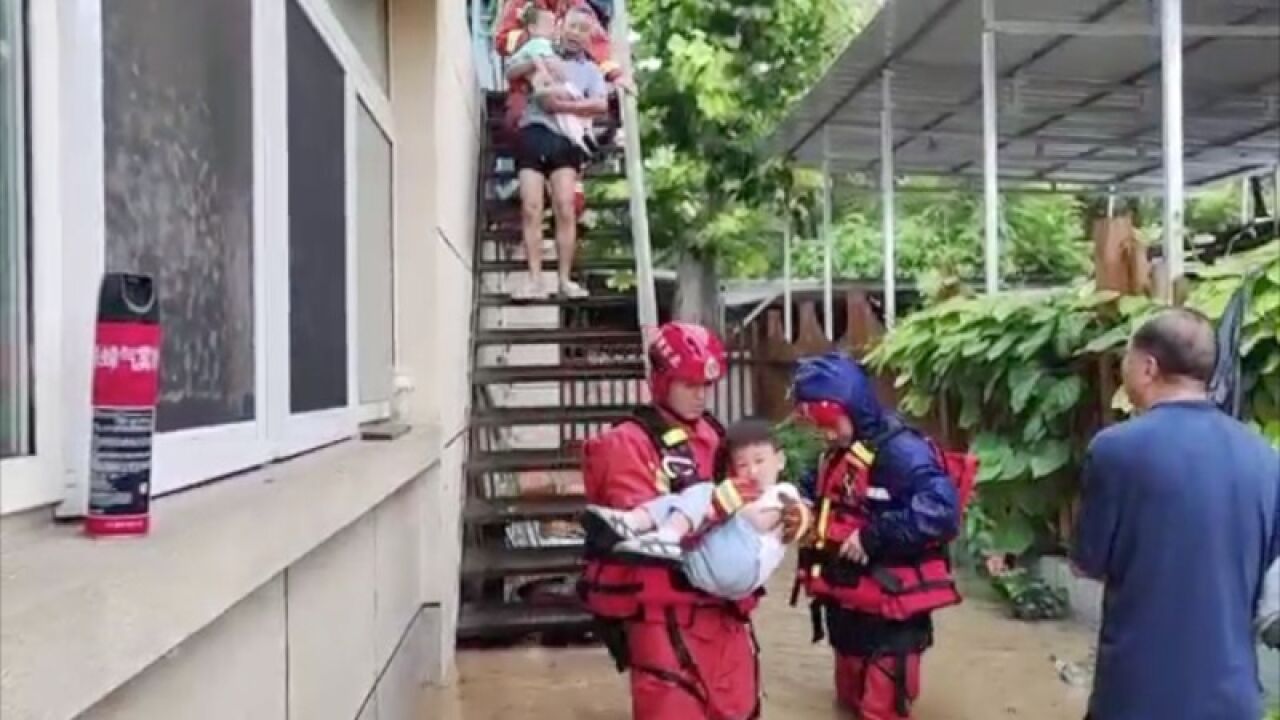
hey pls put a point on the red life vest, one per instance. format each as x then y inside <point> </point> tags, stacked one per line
<point>615,589</point>
<point>896,589</point>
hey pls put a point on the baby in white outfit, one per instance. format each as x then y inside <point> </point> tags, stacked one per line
<point>734,558</point>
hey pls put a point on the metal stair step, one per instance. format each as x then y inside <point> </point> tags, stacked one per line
<point>601,300</point>
<point>495,562</point>
<point>608,233</point>
<point>491,511</point>
<point>490,620</point>
<point>503,461</point>
<point>593,337</point>
<point>606,264</point>
<point>556,373</point>
<point>550,415</point>
<point>497,209</point>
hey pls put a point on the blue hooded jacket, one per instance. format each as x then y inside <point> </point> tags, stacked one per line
<point>923,505</point>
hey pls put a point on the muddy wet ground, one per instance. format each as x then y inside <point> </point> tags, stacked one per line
<point>985,666</point>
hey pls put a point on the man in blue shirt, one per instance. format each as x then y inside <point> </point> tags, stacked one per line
<point>1179,520</point>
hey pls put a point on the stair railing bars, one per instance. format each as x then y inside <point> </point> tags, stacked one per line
<point>484,18</point>
<point>646,296</point>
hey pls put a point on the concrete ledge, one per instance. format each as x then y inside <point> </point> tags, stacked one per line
<point>79,618</point>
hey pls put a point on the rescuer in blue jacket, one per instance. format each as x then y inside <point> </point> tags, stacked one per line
<point>877,565</point>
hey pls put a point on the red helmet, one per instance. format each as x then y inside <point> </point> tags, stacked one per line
<point>689,353</point>
<point>823,414</point>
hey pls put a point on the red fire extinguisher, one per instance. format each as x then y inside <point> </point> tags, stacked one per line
<point>126,381</point>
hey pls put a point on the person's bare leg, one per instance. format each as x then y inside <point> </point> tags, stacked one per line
<point>563,182</point>
<point>532,190</point>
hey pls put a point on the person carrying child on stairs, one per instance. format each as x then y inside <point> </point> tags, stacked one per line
<point>548,77</point>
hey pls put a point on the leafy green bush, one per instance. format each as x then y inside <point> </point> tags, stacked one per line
<point>1260,341</point>
<point>942,231</point>
<point>1030,597</point>
<point>1016,369</point>
<point>802,445</point>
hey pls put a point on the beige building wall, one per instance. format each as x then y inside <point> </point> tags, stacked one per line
<point>341,633</point>
<point>321,587</point>
<point>438,142</point>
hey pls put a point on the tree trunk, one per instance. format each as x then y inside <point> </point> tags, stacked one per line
<point>698,292</point>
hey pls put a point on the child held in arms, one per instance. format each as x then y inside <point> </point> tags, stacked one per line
<point>734,558</point>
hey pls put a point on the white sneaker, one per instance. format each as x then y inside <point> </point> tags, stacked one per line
<point>607,526</point>
<point>651,545</point>
<point>572,290</point>
<point>529,290</point>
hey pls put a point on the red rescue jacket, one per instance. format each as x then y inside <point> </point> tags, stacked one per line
<point>896,587</point>
<point>635,461</point>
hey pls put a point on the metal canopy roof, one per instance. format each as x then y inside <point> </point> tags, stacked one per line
<point>1073,108</point>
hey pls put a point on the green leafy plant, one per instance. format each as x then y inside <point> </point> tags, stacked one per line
<point>802,446</point>
<point>715,78</point>
<point>1030,597</point>
<point>942,232</point>
<point>1260,339</point>
<point>1016,371</point>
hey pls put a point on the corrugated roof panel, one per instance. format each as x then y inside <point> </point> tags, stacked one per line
<point>1070,107</point>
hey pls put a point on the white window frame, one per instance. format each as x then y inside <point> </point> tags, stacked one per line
<point>69,224</point>
<point>369,412</point>
<point>361,86</point>
<point>32,480</point>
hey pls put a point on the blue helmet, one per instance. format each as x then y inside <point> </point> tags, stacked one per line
<point>835,377</point>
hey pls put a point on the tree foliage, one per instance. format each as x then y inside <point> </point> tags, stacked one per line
<point>716,76</point>
<point>942,232</point>
<point>1260,338</point>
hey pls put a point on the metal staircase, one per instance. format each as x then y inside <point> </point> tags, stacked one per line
<point>546,375</point>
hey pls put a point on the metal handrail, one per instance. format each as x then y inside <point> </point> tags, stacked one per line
<point>646,293</point>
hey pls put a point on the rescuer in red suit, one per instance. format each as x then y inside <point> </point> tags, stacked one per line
<point>691,656</point>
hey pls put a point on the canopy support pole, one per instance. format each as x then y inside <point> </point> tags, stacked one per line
<point>990,168</point>
<point>888,205</point>
<point>1245,205</point>
<point>646,291</point>
<point>1275,202</point>
<point>1171,80</point>
<point>828,314</point>
<point>786,277</point>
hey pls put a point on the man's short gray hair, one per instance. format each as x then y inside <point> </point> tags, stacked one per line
<point>1182,341</point>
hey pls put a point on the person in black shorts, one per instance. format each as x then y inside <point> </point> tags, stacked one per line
<point>543,156</point>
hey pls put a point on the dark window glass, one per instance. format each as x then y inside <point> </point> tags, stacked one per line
<point>15,245</point>
<point>317,221</point>
<point>177,85</point>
